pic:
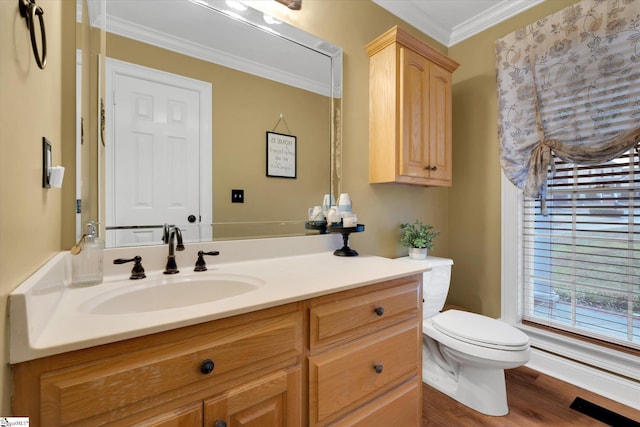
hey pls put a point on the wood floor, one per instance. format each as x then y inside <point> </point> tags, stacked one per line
<point>534,400</point>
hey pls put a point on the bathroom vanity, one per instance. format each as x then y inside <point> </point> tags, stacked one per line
<point>323,340</point>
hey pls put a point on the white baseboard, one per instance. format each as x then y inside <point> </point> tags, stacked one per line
<point>611,386</point>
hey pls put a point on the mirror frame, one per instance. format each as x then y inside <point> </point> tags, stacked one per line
<point>253,17</point>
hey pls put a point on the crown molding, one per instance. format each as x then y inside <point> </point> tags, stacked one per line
<point>490,17</point>
<point>414,13</point>
<point>205,53</point>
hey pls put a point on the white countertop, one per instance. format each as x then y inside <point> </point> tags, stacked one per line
<point>47,315</point>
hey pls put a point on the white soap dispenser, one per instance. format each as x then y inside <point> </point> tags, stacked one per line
<point>86,258</point>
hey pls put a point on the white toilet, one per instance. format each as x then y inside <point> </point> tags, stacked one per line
<point>464,355</point>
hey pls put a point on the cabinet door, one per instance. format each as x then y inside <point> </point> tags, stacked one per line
<point>438,160</point>
<point>414,111</point>
<point>271,401</point>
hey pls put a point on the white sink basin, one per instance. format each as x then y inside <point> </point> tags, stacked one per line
<point>173,292</point>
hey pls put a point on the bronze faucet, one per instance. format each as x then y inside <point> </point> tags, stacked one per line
<point>171,232</point>
<point>138,270</point>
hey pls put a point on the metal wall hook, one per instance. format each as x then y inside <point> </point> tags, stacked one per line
<point>281,120</point>
<point>28,10</point>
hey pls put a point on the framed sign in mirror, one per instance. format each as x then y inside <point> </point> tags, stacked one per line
<point>281,155</point>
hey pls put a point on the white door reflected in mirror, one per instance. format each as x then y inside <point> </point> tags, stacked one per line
<point>154,170</point>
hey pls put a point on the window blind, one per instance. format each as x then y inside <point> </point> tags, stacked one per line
<point>582,259</point>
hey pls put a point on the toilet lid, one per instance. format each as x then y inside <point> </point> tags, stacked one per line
<point>480,330</point>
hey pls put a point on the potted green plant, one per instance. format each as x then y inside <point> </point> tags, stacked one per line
<point>418,237</point>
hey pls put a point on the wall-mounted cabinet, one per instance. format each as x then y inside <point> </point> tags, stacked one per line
<point>409,111</point>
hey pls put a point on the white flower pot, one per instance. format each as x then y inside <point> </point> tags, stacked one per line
<point>417,253</point>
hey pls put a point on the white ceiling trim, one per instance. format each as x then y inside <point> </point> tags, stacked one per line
<point>426,16</point>
<point>163,40</point>
<point>490,17</point>
<point>418,18</point>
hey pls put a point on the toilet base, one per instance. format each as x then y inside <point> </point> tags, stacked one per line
<point>480,388</point>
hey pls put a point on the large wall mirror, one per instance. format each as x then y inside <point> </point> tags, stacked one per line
<point>203,98</point>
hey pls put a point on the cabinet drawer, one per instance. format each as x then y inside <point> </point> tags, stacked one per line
<point>334,320</point>
<point>402,406</point>
<point>345,378</point>
<point>71,395</point>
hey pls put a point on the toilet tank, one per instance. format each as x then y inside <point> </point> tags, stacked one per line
<point>435,283</point>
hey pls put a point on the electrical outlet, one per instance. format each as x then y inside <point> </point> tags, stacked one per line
<point>237,196</point>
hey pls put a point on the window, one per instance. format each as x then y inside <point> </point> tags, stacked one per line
<point>568,85</point>
<point>581,261</point>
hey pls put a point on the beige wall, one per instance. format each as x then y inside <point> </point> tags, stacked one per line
<point>474,201</point>
<point>31,105</point>
<point>381,207</point>
<point>468,215</point>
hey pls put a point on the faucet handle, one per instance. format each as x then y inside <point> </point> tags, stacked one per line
<point>137,272</point>
<point>200,263</point>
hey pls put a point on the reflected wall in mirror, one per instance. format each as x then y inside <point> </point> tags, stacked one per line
<point>278,80</point>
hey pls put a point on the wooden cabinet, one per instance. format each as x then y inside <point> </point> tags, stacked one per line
<point>365,355</point>
<point>220,370</point>
<point>347,358</point>
<point>410,130</point>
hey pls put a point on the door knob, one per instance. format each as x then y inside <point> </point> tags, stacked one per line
<point>191,218</point>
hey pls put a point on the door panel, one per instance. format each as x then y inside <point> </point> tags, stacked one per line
<point>415,113</point>
<point>158,155</point>
<point>271,401</point>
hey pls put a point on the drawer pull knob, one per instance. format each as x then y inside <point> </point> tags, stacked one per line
<point>379,311</point>
<point>206,367</point>
<point>220,423</point>
<point>378,368</point>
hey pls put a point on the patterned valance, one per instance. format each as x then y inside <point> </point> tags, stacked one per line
<point>569,84</point>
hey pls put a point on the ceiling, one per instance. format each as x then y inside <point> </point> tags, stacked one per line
<point>452,21</point>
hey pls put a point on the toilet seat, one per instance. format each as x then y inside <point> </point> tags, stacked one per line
<point>480,330</point>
